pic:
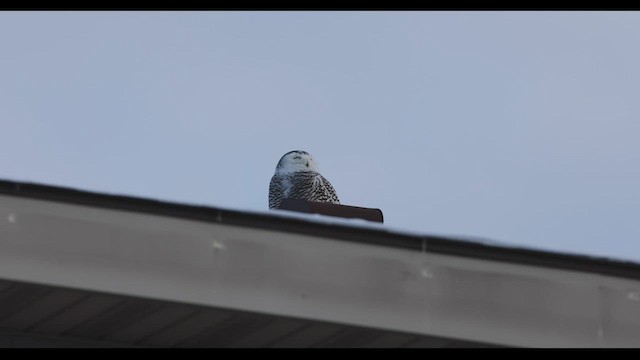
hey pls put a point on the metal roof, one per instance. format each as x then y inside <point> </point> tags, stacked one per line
<point>86,269</point>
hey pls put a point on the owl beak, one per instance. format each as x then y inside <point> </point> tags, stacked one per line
<point>307,164</point>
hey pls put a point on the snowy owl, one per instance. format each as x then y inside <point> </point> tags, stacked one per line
<point>297,177</point>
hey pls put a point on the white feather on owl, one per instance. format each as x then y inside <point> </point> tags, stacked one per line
<point>297,177</point>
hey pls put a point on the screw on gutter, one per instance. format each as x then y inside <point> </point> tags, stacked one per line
<point>217,245</point>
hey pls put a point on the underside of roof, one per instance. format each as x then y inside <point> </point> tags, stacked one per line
<point>86,269</point>
<point>35,315</point>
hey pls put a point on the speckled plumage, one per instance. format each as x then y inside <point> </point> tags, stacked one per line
<point>297,177</point>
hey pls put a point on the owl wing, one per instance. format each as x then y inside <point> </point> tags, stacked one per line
<point>276,192</point>
<point>324,190</point>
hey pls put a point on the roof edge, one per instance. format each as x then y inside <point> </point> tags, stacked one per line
<point>381,237</point>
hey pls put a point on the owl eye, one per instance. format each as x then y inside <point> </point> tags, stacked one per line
<point>296,157</point>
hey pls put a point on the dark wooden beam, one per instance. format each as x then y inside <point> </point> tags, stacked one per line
<point>344,211</point>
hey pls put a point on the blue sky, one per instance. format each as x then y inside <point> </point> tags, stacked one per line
<point>520,127</point>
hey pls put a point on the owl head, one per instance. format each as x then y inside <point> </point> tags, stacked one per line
<point>296,160</point>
